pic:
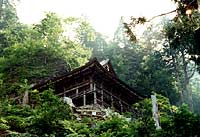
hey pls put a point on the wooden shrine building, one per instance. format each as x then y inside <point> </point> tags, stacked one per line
<point>94,84</point>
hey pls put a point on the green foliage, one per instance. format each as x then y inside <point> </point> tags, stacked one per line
<point>195,86</point>
<point>47,114</point>
<point>186,123</point>
<point>51,117</point>
<point>43,118</point>
<point>8,15</point>
<point>176,122</point>
<point>144,121</point>
<point>85,34</point>
<point>42,51</point>
<point>157,78</point>
<point>10,27</point>
<point>77,129</point>
<point>29,54</point>
<point>113,127</point>
<point>3,124</point>
<point>180,47</point>
<point>135,64</point>
<point>82,31</point>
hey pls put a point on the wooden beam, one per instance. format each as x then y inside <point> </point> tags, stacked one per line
<point>75,87</point>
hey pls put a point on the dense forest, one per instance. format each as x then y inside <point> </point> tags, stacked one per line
<point>164,61</point>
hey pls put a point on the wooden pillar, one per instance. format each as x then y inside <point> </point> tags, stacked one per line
<point>64,95</point>
<point>101,86</point>
<point>77,92</point>
<point>121,106</point>
<point>84,98</point>
<point>129,108</point>
<point>91,84</point>
<point>111,95</point>
<point>111,100</point>
<point>95,94</point>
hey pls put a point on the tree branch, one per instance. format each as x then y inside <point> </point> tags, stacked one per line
<point>163,14</point>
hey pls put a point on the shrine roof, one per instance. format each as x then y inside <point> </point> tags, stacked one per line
<point>108,73</point>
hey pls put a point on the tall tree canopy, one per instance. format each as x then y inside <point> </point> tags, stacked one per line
<point>38,52</point>
<point>180,44</point>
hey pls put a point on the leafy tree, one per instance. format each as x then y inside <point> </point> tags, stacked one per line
<point>195,86</point>
<point>39,120</point>
<point>79,29</point>
<point>44,52</point>
<point>8,15</point>
<point>180,41</point>
<point>8,24</point>
<point>85,34</point>
<point>185,123</point>
<point>157,78</point>
<point>78,128</point>
<point>49,111</point>
<point>135,64</point>
<point>98,46</point>
<point>125,56</point>
<point>113,127</point>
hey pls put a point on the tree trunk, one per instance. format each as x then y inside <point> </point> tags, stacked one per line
<point>176,70</point>
<point>186,88</point>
